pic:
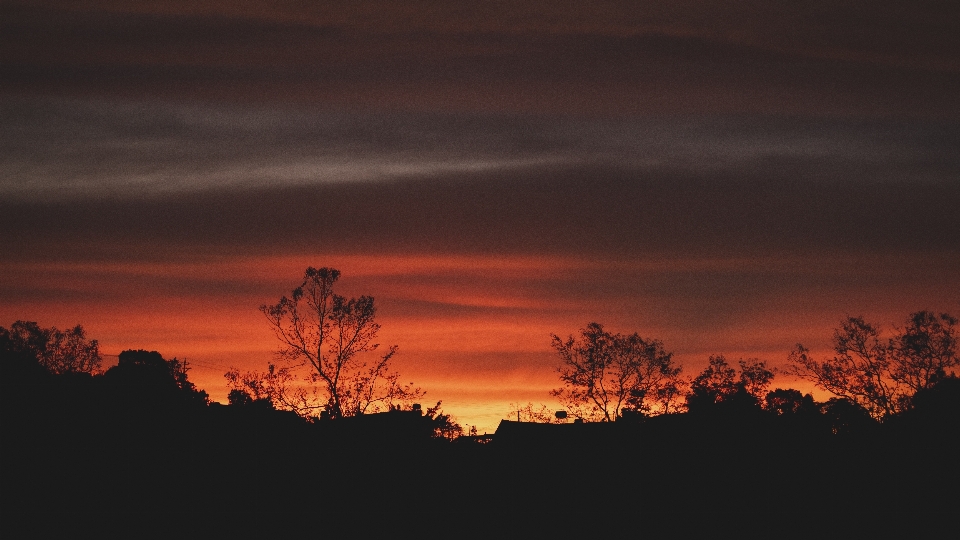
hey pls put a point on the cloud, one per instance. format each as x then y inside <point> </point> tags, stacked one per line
<point>885,32</point>
<point>611,59</point>
<point>583,210</point>
<point>72,148</point>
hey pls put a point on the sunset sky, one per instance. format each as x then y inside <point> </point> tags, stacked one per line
<point>727,177</point>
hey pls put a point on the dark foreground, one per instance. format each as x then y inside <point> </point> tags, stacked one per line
<point>77,458</point>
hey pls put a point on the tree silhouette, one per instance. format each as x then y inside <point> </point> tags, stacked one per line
<point>57,351</point>
<point>882,376</point>
<point>277,386</point>
<point>605,373</point>
<point>938,405</point>
<point>925,351</point>
<point>444,426</point>
<point>329,334</point>
<point>240,398</point>
<point>719,383</point>
<point>788,402</point>
<point>846,417</point>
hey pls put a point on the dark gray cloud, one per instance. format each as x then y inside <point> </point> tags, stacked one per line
<point>614,58</point>
<point>572,211</point>
<point>173,98</point>
<point>83,148</point>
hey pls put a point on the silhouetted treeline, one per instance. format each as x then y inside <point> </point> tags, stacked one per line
<point>140,439</point>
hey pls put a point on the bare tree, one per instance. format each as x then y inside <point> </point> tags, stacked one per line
<point>277,386</point>
<point>860,371</point>
<point>925,351</point>
<point>605,373</point>
<point>331,336</point>
<point>883,375</point>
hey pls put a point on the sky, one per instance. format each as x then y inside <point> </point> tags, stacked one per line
<point>729,179</point>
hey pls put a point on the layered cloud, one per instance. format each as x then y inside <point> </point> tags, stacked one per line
<point>72,148</point>
<point>613,58</point>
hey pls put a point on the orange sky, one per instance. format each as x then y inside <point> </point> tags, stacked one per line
<point>474,331</point>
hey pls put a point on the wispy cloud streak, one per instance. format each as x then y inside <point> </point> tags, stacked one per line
<point>64,149</point>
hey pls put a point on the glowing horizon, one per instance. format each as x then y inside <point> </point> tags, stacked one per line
<point>477,343</point>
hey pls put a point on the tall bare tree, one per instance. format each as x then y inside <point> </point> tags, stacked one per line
<point>605,373</point>
<point>331,336</point>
